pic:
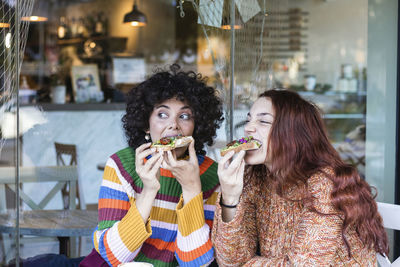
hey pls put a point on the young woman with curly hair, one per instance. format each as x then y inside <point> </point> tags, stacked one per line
<point>158,207</point>
<point>295,202</point>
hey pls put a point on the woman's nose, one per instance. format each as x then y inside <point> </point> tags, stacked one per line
<point>174,125</point>
<point>249,127</point>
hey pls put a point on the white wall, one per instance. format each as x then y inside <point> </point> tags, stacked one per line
<point>97,135</point>
<point>337,35</point>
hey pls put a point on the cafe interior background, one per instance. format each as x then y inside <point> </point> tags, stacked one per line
<point>78,58</point>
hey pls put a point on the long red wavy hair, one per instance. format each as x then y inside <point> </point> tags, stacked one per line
<point>299,147</point>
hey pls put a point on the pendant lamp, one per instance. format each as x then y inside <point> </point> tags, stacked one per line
<point>6,15</point>
<point>226,22</point>
<point>135,18</point>
<point>4,25</point>
<point>39,12</point>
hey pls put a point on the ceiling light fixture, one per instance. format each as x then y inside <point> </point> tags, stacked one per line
<point>4,25</point>
<point>135,18</point>
<point>34,19</point>
<point>40,12</point>
<point>226,23</point>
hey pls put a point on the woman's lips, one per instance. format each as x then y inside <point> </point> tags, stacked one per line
<point>172,135</point>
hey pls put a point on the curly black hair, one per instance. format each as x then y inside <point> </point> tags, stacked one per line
<point>189,87</point>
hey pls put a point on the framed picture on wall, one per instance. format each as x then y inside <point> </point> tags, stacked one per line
<point>86,83</point>
<point>128,70</point>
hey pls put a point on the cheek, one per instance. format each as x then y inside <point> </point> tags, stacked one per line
<point>187,127</point>
<point>156,128</point>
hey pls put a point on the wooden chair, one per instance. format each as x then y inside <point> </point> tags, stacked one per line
<point>65,152</point>
<point>62,175</point>
<point>391,220</point>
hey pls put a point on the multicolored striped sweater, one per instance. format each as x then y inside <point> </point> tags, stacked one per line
<point>175,234</point>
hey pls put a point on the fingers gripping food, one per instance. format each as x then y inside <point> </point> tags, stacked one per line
<point>245,143</point>
<point>172,142</point>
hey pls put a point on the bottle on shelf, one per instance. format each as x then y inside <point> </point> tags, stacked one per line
<point>99,26</point>
<point>74,28</point>
<point>62,29</point>
<point>104,20</point>
<point>81,29</point>
<point>347,83</point>
<point>90,23</point>
<point>309,82</point>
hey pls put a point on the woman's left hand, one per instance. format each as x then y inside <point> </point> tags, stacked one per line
<point>186,172</point>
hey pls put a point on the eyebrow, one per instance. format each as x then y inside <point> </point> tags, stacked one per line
<point>261,114</point>
<point>167,107</point>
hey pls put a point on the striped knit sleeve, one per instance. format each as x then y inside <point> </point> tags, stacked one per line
<point>193,242</point>
<point>121,230</point>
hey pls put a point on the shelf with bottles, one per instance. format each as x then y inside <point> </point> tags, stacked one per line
<point>97,48</point>
<point>334,104</point>
<point>71,29</point>
<point>81,40</point>
<point>306,93</point>
<point>344,116</point>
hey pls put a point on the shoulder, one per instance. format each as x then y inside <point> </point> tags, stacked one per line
<point>125,154</point>
<point>320,183</point>
<point>123,163</point>
<point>320,186</point>
<point>123,158</point>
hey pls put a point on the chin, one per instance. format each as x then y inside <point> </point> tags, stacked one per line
<point>254,159</point>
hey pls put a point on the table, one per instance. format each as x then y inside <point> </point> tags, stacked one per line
<point>60,223</point>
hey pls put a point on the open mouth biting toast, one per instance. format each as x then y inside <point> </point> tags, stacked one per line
<point>245,143</point>
<point>172,142</point>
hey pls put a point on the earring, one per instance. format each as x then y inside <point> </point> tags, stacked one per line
<point>147,137</point>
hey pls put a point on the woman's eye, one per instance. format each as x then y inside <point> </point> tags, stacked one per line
<point>185,116</point>
<point>266,122</point>
<point>162,115</point>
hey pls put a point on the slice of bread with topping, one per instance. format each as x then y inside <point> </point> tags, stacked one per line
<point>172,142</point>
<point>245,143</point>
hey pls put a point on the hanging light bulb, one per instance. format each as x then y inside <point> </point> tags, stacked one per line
<point>5,16</point>
<point>34,18</point>
<point>135,18</point>
<point>226,23</point>
<point>39,12</point>
<point>4,25</point>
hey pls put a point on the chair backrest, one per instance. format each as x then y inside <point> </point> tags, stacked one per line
<point>63,150</point>
<point>61,174</point>
<point>66,155</point>
<point>391,220</point>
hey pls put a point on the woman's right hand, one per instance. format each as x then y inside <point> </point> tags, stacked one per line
<point>148,171</point>
<point>230,173</point>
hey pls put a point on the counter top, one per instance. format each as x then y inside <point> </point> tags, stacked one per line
<point>78,106</point>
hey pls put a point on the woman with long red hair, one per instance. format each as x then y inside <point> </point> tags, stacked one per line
<point>295,203</point>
